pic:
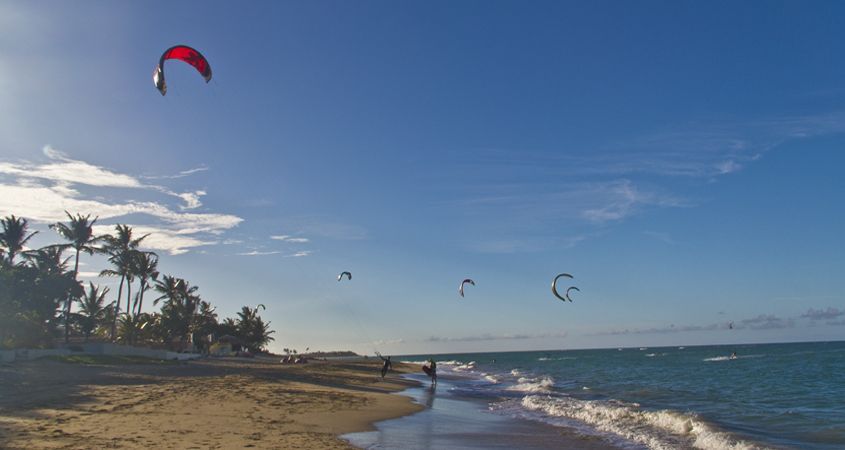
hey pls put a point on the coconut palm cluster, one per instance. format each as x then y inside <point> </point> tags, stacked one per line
<point>42,300</point>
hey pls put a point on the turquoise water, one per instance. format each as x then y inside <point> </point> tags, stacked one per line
<point>770,396</point>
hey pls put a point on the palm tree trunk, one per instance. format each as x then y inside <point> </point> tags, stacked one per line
<point>117,308</point>
<point>129,297</point>
<point>70,300</point>
<point>141,297</point>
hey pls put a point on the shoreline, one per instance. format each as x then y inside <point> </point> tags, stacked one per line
<point>457,421</point>
<point>209,403</point>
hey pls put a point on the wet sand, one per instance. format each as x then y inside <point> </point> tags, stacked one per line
<point>463,423</point>
<point>213,403</point>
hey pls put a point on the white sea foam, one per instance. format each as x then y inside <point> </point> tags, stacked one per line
<point>516,372</point>
<point>464,367</point>
<point>440,363</point>
<point>658,430</point>
<point>414,362</point>
<point>650,355</point>
<point>728,358</point>
<point>491,378</point>
<point>451,362</point>
<point>533,385</point>
<point>562,358</point>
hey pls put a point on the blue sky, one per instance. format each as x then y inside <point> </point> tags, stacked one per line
<point>681,159</point>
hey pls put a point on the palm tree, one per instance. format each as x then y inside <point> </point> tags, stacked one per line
<point>48,260</point>
<point>205,324</point>
<point>14,236</point>
<point>80,232</point>
<point>131,327</point>
<point>130,277</point>
<point>252,329</point>
<point>248,315</point>
<point>180,305</point>
<point>145,268</point>
<point>120,249</point>
<point>228,327</point>
<point>92,311</point>
<point>50,264</point>
<point>31,293</point>
<point>206,318</point>
<point>168,286</point>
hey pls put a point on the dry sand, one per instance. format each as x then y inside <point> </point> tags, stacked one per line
<point>213,403</point>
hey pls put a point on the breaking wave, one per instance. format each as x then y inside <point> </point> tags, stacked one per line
<point>658,430</point>
<point>533,385</point>
<point>728,358</point>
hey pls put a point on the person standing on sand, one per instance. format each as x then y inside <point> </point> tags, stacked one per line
<point>387,365</point>
<point>433,367</point>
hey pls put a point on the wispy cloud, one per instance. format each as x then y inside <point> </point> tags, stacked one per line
<point>259,253</point>
<point>759,322</point>
<point>663,237</point>
<point>727,167</point>
<point>598,202</point>
<point>823,314</point>
<point>88,275</point>
<point>523,244</point>
<point>708,149</point>
<point>181,174</point>
<point>624,199</point>
<point>519,217</point>
<point>767,322</point>
<point>192,199</point>
<point>523,196</point>
<point>286,238</point>
<point>298,254</point>
<point>63,173</point>
<point>174,242</point>
<point>665,329</point>
<point>323,227</point>
<point>64,170</point>
<point>495,337</point>
<point>386,342</point>
<point>43,192</point>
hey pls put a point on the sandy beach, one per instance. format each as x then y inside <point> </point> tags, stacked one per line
<point>214,403</point>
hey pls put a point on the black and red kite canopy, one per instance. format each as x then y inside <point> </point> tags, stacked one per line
<point>182,53</point>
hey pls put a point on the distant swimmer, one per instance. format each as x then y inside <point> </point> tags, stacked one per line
<point>386,366</point>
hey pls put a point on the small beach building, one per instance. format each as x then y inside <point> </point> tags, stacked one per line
<point>226,345</point>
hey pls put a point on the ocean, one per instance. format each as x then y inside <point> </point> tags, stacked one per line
<point>769,396</point>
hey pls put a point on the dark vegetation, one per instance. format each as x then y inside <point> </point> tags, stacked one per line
<point>39,289</point>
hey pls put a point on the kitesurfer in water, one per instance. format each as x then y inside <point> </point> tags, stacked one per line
<point>733,355</point>
<point>386,366</point>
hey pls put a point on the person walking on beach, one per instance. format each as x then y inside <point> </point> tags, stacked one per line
<point>386,366</point>
<point>432,367</point>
